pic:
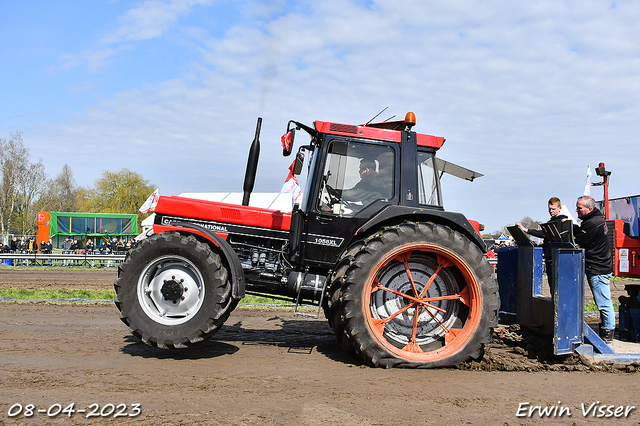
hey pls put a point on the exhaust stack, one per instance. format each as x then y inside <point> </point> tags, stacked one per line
<point>252,165</point>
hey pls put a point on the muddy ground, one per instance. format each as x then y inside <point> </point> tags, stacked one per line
<point>267,366</point>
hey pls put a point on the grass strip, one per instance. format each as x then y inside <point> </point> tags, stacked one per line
<point>60,293</point>
<point>63,293</point>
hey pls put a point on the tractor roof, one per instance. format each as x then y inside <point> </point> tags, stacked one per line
<point>389,131</point>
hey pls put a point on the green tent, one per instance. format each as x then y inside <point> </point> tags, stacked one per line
<point>87,225</point>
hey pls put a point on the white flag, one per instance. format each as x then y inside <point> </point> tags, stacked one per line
<point>292,186</point>
<point>151,202</point>
<point>587,185</point>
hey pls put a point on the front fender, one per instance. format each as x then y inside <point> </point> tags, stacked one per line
<point>237,274</point>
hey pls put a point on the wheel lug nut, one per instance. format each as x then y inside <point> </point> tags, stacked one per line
<point>181,297</point>
<point>186,288</point>
<point>175,301</point>
<point>173,277</point>
<point>181,280</point>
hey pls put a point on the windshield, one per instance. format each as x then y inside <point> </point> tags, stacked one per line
<point>356,175</point>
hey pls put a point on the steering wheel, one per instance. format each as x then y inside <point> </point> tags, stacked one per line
<point>334,194</point>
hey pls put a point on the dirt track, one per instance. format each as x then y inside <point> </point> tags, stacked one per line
<point>270,367</point>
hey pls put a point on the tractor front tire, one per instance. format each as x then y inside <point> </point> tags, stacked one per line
<point>417,295</point>
<point>173,291</point>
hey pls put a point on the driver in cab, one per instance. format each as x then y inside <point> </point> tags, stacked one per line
<point>365,191</point>
<point>354,199</point>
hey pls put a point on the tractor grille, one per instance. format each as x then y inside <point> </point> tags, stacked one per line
<point>343,128</point>
<point>230,214</point>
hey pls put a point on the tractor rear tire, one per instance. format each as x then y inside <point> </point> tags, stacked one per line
<point>416,295</point>
<point>173,291</point>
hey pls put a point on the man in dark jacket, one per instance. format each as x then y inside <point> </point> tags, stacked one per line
<point>555,205</point>
<point>367,190</point>
<point>591,235</point>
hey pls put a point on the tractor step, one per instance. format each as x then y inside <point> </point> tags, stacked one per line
<point>315,283</point>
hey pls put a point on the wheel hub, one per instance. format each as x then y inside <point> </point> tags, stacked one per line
<point>172,289</point>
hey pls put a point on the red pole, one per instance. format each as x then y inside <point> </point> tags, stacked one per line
<point>605,180</point>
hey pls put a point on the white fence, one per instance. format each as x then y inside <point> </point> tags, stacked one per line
<point>62,260</point>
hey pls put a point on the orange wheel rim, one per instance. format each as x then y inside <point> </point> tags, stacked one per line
<point>422,302</point>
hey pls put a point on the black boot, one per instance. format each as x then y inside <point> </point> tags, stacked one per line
<point>606,334</point>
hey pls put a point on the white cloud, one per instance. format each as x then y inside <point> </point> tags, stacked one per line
<point>150,20</point>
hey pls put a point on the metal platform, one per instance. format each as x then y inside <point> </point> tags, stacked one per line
<point>562,315</point>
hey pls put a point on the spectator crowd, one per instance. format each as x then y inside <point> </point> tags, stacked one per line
<point>29,245</point>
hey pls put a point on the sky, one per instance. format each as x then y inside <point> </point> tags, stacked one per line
<point>527,93</point>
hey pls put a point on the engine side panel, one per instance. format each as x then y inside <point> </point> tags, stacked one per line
<point>223,213</point>
<point>259,251</point>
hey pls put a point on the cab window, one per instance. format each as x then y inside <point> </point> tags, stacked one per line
<point>356,175</point>
<point>428,193</point>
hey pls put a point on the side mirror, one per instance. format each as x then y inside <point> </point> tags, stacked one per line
<point>297,168</point>
<point>287,140</point>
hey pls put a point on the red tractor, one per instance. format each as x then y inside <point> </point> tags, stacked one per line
<point>401,281</point>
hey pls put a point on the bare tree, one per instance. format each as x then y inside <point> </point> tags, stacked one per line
<point>14,161</point>
<point>529,223</point>
<point>31,185</point>
<point>61,194</point>
<point>526,221</point>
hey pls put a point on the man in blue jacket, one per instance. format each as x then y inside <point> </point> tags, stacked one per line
<point>591,235</point>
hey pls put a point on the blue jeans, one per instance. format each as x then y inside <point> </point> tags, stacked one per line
<point>602,296</point>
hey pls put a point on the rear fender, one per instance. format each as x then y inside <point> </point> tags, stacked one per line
<point>229,254</point>
<point>392,215</point>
